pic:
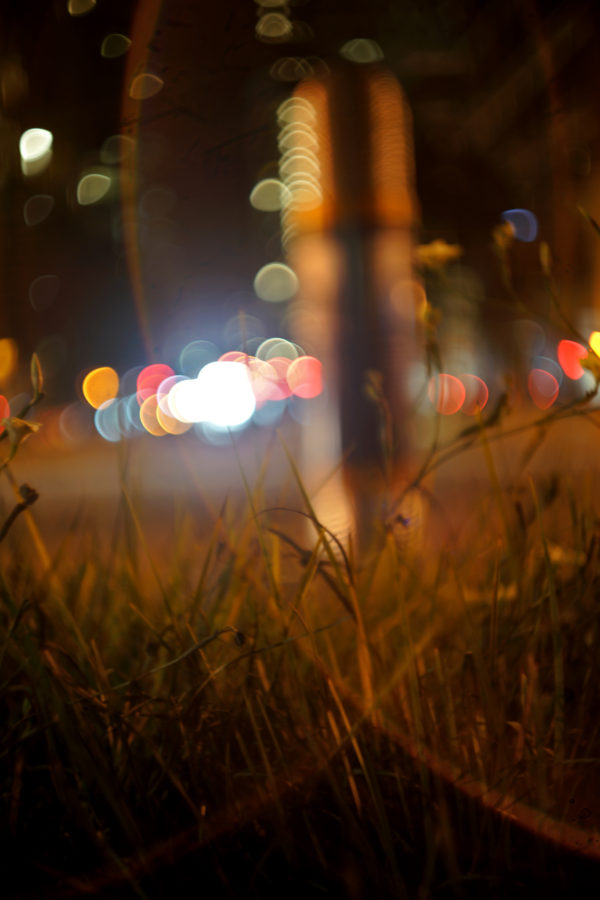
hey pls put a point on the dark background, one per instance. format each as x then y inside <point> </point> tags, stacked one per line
<point>504,99</point>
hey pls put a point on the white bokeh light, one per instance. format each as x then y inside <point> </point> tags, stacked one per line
<point>228,400</point>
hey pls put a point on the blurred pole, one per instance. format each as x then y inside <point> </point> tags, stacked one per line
<point>348,227</point>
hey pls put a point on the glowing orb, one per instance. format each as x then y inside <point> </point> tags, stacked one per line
<point>594,342</point>
<point>100,386</point>
<point>114,45</point>
<point>92,188</point>
<point>145,86</point>
<point>9,355</point>
<point>148,417</point>
<point>543,388</point>
<point>268,195</point>
<point>34,144</point>
<point>106,420</point>
<point>361,50</point>
<point>447,393</point>
<point>476,394</point>
<point>305,377</point>
<point>227,397</point>
<point>523,223</point>
<point>275,282</point>
<point>569,353</point>
<point>4,410</point>
<point>150,379</point>
<point>37,208</point>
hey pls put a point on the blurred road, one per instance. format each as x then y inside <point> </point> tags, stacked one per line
<point>169,478</point>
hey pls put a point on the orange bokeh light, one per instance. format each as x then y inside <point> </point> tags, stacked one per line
<point>476,394</point>
<point>100,385</point>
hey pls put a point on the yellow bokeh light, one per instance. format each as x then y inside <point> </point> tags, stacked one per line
<point>9,356</point>
<point>169,423</point>
<point>296,109</point>
<point>100,385</point>
<point>273,27</point>
<point>149,417</point>
<point>145,86</point>
<point>114,45</point>
<point>80,7</point>
<point>361,50</point>
<point>594,342</point>
<point>92,188</point>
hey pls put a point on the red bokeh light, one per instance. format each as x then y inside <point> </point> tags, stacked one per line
<point>569,354</point>
<point>305,377</point>
<point>149,380</point>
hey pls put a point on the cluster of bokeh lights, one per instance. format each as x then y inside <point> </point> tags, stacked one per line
<point>224,395</point>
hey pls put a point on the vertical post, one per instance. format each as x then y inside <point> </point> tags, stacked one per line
<point>350,239</point>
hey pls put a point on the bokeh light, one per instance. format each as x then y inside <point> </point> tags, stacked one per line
<point>275,283</point>
<point>150,379</point>
<point>35,147</point>
<point>305,377</point>
<point>4,411</point>
<point>273,28</point>
<point>185,401</point>
<point>37,208</point>
<point>447,393</point>
<point>163,390</point>
<point>227,397</point>
<point>75,424</point>
<point>114,45</point>
<point>100,386</point>
<point>169,423</point>
<point>116,149</point>
<point>80,7</point>
<point>43,291</point>
<point>277,346</point>
<point>93,187</point>
<point>291,68</point>
<point>523,223</point>
<point>196,355</point>
<point>148,418</point>
<point>543,388</point>
<point>594,342</point>
<point>548,365</point>
<point>9,356</point>
<point>106,420</point>
<point>361,50</point>
<point>268,195</point>
<point>145,85</point>
<point>476,393</point>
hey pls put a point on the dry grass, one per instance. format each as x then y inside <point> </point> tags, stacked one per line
<point>261,714</point>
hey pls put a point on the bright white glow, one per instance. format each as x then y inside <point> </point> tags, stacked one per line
<point>227,396</point>
<point>185,401</point>
<point>34,144</point>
